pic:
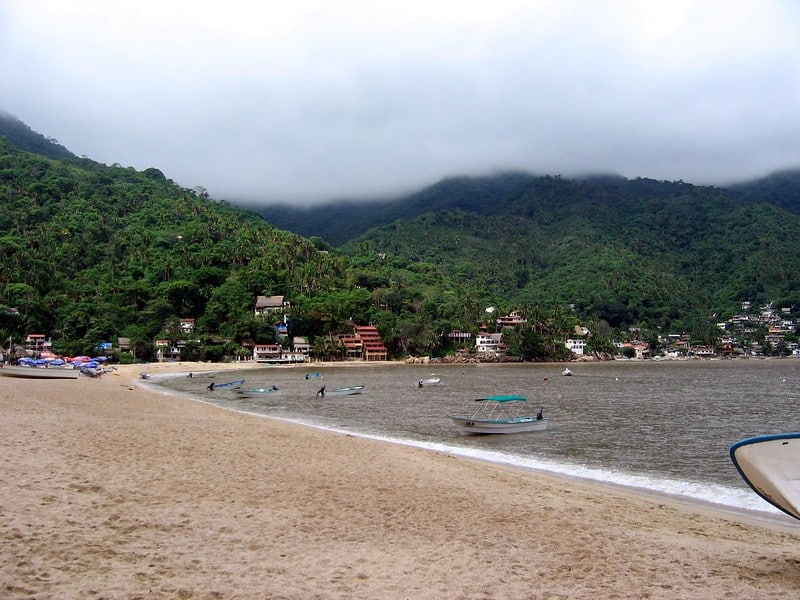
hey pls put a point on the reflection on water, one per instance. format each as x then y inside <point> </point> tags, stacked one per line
<point>668,419</point>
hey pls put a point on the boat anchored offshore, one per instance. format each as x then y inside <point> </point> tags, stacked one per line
<point>259,392</point>
<point>429,381</point>
<point>500,414</point>
<point>342,391</point>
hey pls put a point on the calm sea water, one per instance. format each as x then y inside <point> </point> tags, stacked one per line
<point>660,426</point>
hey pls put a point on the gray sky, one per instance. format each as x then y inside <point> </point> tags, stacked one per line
<point>312,100</point>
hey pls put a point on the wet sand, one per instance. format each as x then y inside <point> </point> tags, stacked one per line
<point>112,490</point>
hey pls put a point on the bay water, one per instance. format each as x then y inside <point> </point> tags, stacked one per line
<point>660,426</point>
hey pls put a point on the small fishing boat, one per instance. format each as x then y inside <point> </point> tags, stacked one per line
<point>315,375</point>
<point>500,414</point>
<point>429,381</point>
<point>566,372</point>
<point>259,392</point>
<point>228,385</point>
<point>342,391</point>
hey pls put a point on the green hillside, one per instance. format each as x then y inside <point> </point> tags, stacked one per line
<point>24,138</point>
<point>781,188</point>
<point>619,250</point>
<point>92,252</point>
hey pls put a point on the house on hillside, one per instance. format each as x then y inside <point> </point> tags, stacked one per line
<point>301,345</point>
<point>491,344</point>
<point>513,319</point>
<point>266,305</point>
<point>576,346</point>
<point>165,351</point>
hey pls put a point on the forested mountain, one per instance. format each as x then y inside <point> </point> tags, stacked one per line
<point>92,252</point>
<point>24,138</point>
<point>340,222</point>
<point>621,250</point>
<point>619,256</point>
<point>781,188</point>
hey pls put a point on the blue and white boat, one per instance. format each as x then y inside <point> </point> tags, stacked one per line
<point>500,414</point>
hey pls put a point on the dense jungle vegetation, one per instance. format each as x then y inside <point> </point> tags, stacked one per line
<point>92,252</point>
<point>669,255</point>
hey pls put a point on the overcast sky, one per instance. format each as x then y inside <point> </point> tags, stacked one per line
<point>313,100</point>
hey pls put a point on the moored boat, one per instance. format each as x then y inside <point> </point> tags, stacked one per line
<point>342,391</point>
<point>429,381</point>
<point>259,392</point>
<point>229,385</point>
<point>500,414</point>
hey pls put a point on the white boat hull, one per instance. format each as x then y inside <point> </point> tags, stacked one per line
<point>469,426</point>
<point>770,464</point>
<point>348,391</point>
<point>258,393</point>
<point>39,372</point>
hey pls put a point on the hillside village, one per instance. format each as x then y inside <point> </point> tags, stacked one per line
<point>752,333</point>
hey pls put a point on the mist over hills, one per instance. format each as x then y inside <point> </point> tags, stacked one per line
<point>666,255</point>
<point>339,222</point>
<point>24,138</point>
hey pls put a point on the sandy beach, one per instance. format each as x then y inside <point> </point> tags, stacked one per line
<point>112,490</point>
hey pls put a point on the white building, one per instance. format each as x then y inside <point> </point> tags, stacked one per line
<point>576,346</point>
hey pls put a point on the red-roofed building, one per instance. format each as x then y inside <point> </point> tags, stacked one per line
<point>364,344</point>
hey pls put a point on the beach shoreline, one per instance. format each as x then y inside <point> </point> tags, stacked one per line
<point>118,490</point>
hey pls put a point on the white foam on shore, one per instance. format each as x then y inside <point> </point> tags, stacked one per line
<point>723,498</point>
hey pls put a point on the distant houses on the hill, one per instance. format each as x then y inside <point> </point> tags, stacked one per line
<point>363,343</point>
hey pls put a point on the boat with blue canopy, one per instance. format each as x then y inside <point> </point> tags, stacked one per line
<point>500,414</point>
